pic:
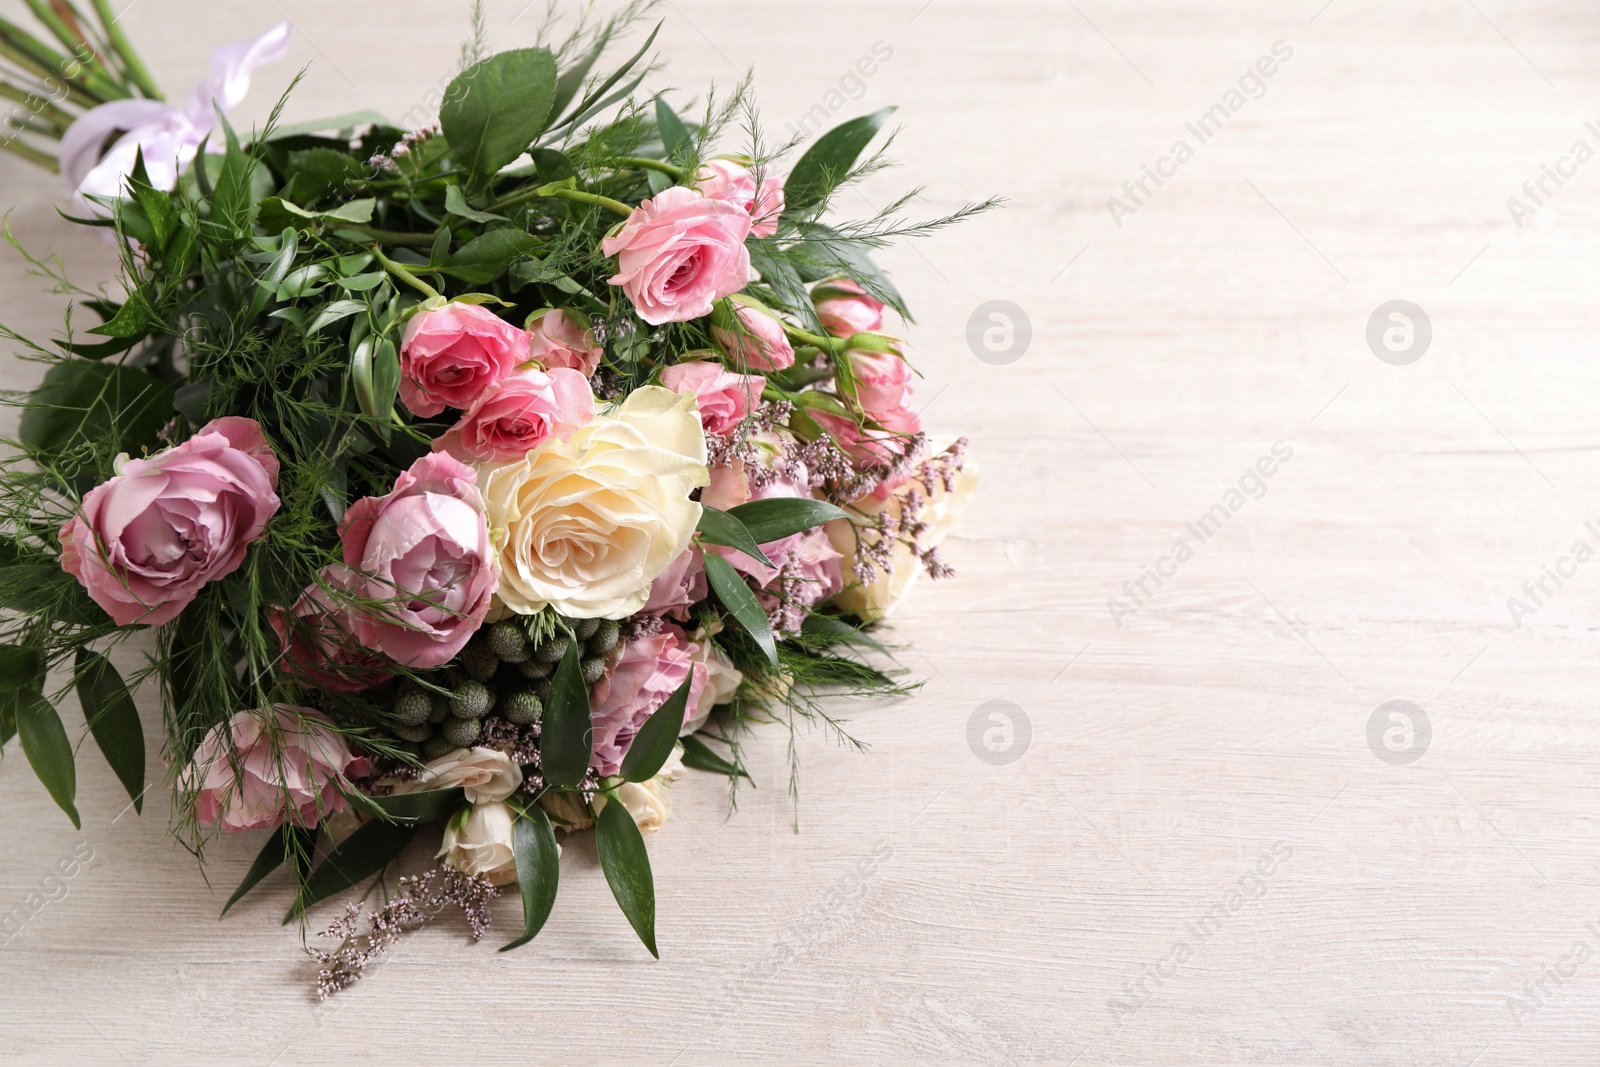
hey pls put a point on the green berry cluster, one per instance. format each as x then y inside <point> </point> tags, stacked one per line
<point>503,672</point>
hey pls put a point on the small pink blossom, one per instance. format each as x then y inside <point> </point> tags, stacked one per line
<point>725,399</point>
<point>845,308</point>
<point>754,339</point>
<point>650,670</point>
<point>265,768</point>
<point>146,541</point>
<point>518,413</point>
<point>426,561</point>
<point>751,190</point>
<point>451,354</point>
<point>678,253</point>
<point>560,341</point>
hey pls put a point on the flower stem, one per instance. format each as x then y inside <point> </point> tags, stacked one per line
<point>45,109</point>
<point>405,275</point>
<point>830,345</point>
<point>642,163</point>
<point>120,44</point>
<point>394,237</point>
<point>31,154</point>
<point>558,191</point>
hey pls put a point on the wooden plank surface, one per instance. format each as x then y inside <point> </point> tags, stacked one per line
<point>1198,858</point>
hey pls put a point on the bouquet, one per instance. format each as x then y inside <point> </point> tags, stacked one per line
<point>480,477</point>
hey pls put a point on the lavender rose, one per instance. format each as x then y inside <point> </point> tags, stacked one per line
<point>427,565</point>
<point>145,542</point>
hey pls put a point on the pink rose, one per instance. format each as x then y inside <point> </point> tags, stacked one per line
<point>451,354</point>
<point>883,380</point>
<point>145,542</point>
<point>649,671</point>
<point>678,587</point>
<point>318,636</point>
<point>730,486</point>
<point>877,446</point>
<point>679,252</point>
<point>753,339</point>
<point>559,341</point>
<point>725,399</point>
<point>265,768</point>
<point>518,413</point>
<point>846,308</point>
<point>752,191</point>
<point>425,557</point>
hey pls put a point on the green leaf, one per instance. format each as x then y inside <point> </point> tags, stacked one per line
<point>699,755</point>
<point>565,738</point>
<point>826,162</point>
<point>21,668</point>
<point>270,858</point>
<point>267,285</point>
<point>778,517</point>
<point>782,277</point>
<point>80,400</point>
<point>495,108</point>
<point>487,256</point>
<point>455,202</point>
<point>332,124</point>
<point>40,588</point>
<point>157,206</point>
<point>337,311</point>
<point>720,528</point>
<point>411,809</point>
<point>533,845</point>
<point>314,172</point>
<point>741,603</point>
<point>552,166</point>
<point>652,745</point>
<point>133,319</point>
<point>385,378</point>
<point>597,100</point>
<point>627,866</point>
<point>44,742</point>
<point>674,134</point>
<point>276,212</point>
<point>825,631</point>
<point>364,853</point>
<point>113,720</point>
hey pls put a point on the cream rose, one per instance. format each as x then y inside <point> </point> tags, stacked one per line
<point>486,774</point>
<point>648,802</point>
<point>567,811</point>
<point>722,681</point>
<point>588,523</point>
<point>477,840</point>
<point>940,509</point>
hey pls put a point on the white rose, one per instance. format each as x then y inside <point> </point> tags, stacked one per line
<point>485,773</point>
<point>588,523</point>
<point>880,597</point>
<point>567,811</point>
<point>722,681</point>
<point>647,802</point>
<point>477,840</point>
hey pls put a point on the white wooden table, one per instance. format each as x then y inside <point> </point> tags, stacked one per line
<point>1198,857</point>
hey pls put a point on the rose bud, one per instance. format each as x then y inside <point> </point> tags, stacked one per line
<point>846,308</point>
<point>750,336</point>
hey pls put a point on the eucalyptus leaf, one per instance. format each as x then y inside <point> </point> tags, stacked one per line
<point>113,721</point>
<point>699,755</point>
<point>363,854</point>
<point>775,518</point>
<point>730,587</point>
<point>533,846</point>
<point>652,746</point>
<point>409,808</point>
<point>720,528</point>
<point>627,868</point>
<point>282,843</point>
<point>44,742</point>
<point>828,160</point>
<point>565,738</point>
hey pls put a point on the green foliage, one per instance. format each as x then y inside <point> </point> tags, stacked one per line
<point>565,736</point>
<point>493,111</point>
<point>113,721</point>
<point>653,744</point>
<point>627,869</point>
<point>538,870</point>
